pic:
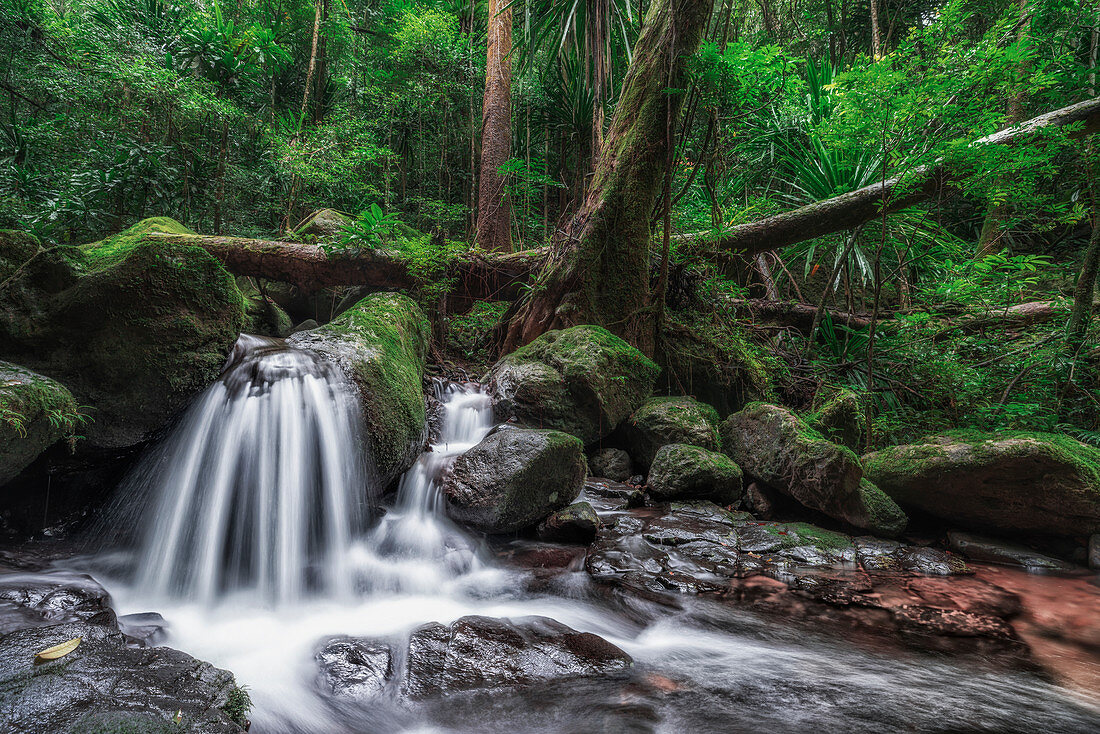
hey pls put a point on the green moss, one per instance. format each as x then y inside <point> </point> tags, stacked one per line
<point>16,248</point>
<point>839,416</point>
<point>802,533</point>
<point>116,248</point>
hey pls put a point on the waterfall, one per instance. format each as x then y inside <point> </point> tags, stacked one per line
<point>262,486</point>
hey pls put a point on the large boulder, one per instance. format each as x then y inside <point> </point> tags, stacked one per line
<point>1023,482</point>
<point>105,686</point>
<point>838,415</point>
<point>583,380</point>
<point>134,325</point>
<point>35,412</point>
<point>613,464</point>
<point>514,478</point>
<point>773,445</point>
<point>665,420</point>
<point>470,654</point>
<point>325,223</point>
<point>380,343</point>
<point>682,472</point>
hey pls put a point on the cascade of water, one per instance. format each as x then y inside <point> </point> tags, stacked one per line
<point>262,486</point>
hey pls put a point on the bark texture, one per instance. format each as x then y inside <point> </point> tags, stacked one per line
<point>600,269</point>
<point>494,233</point>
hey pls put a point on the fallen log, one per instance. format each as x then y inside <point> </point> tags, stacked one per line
<point>792,313</point>
<point>1012,317</point>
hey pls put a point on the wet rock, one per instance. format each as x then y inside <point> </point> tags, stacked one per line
<point>37,412</point>
<point>472,653</point>
<point>1094,551</point>
<point>307,325</point>
<point>613,464</point>
<point>105,686</point>
<point>773,445</point>
<point>607,496</point>
<point>760,500</point>
<point>929,561</point>
<point>380,344</point>
<point>577,523</point>
<point>324,223</point>
<point>1029,482</point>
<point>144,629</point>
<point>514,478</point>
<point>683,472</point>
<point>670,420</point>
<point>583,380</point>
<point>991,550</point>
<point>354,668</point>
<point>637,480</point>
<point>43,599</point>
<point>133,325</point>
<point>838,415</point>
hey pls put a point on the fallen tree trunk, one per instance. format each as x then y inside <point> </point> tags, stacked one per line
<point>792,313</point>
<point>858,207</point>
<point>310,268</point>
<point>1013,317</point>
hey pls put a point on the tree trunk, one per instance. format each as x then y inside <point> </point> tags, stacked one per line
<point>1081,313</point>
<point>876,39</point>
<point>219,195</point>
<point>493,210</point>
<point>317,12</point>
<point>600,271</point>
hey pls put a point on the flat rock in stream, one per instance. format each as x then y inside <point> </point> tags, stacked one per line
<point>43,599</point>
<point>472,653</point>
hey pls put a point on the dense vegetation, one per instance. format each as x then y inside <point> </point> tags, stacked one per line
<point>242,118</point>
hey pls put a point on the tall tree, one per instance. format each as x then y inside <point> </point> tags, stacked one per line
<point>494,214</point>
<point>599,273</point>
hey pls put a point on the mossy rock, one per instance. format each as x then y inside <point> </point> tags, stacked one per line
<point>35,412</point>
<point>577,523</point>
<point>1009,481</point>
<point>381,343</point>
<point>667,420</point>
<point>682,472</point>
<point>839,416</point>
<point>773,445</point>
<point>133,325</point>
<point>877,512</point>
<point>16,248</point>
<point>324,223</point>
<point>583,380</point>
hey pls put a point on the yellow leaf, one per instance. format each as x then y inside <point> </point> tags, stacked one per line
<point>59,651</point>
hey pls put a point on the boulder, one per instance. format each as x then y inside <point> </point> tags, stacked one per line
<point>380,344</point>
<point>325,223</point>
<point>583,380</point>
<point>773,445</point>
<point>44,599</point>
<point>471,654</point>
<point>133,326</point>
<point>838,416</point>
<point>577,523</point>
<point>16,249</point>
<point>991,550</point>
<point>661,421</point>
<point>1094,551</point>
<point>514,478</point>
<point>35,412</point>
<point>683,472</point>
<point>1009,482</point>
<point>105,686</point>
<point>613,464</point>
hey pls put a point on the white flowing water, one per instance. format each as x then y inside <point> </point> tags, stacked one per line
<point>255,554</point>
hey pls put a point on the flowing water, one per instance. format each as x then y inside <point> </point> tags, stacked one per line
<point>256,551</point>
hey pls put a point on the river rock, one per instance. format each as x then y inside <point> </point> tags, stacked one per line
<point>35,412</point>
<point>613,464</point>
<point>354,668</point>
<point>666,420</point>
<point>43,599</point>
<point>682,472</point>
<point>133,325</point>
<point>838,415</point>
<point>514,478</point>
<point>773,445</point>
<point>105,686</point>
<point>1008,482</point>
<point>991,550</point>
<point>607,496</point>
<point>583,380</point>
<point>577,523</point>
<point>380,344</point>
<point>1094,551</point>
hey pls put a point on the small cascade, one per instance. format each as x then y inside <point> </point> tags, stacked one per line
<point>261,488</point>
<point>415,547</point>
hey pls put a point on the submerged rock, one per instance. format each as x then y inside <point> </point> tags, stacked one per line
<point>380,344</point>
<point>991,550</point>
<point>689,472</point>
<point>577,523</point>
<point>613,464</point>
<point>35,412</point>
<point>105,686</point>
<point>1030,482</point>
<point>472,653</point>
<point>133,326</point>
<point>668,420</point>
<point>773,445</point>
<point>583,380</point>
<point>514,478</point>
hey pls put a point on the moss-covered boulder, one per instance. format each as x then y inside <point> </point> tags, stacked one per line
<point>381,344</point>
<point>16,249</point>
<point>666,420</point>
<point>133,325</point>
<point>514,478</point>
<point>1026,482</point>
<point>326,223</point>
<point>838,415</point>
<point>683,472</point>
<point>577,523</point>
<point>773,445</point>
<point>583,380</point>
<point>35,412</point>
